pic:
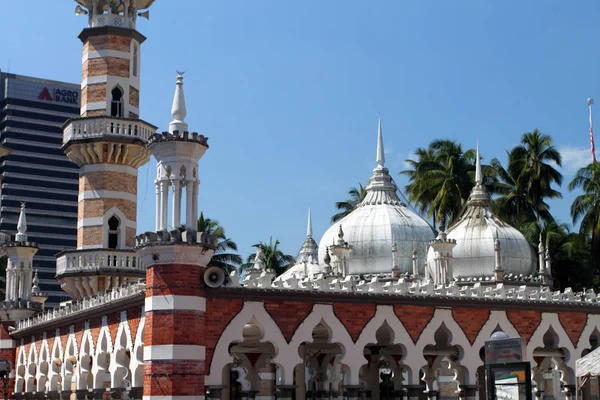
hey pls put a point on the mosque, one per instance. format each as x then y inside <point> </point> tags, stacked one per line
<point>381,308</point>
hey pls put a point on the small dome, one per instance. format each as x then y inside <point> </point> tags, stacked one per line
<point>475,234</point>
<point>380,220</point>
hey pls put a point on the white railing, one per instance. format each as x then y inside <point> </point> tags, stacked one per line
<point>118,20</point>
<point>98,261</point>
<point>84,305</point>
<point>91,127</point>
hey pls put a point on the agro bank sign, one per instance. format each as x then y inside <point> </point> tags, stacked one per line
<point>59,95</point>
<point>45,91</point>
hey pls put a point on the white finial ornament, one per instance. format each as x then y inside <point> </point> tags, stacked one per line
<point>309,232</point>
<point>380,152</point>
<point>178,110</point>
<point>22,226</point>
<point>478,174</point>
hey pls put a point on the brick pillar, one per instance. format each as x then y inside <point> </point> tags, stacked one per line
<point>8,352</point>
<point>174,350</point>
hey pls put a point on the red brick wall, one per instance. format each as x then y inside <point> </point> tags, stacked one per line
<point>219,314</point>
<point>414,318</point>
<point>354,317</point>
<point>470,320</point>
<point>524,321</point>
<point>573,323</point>
<point>288,321</point>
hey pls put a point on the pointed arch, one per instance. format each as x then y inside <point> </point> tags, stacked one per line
<point>43,365</point>
<point>137,357</point>
<point>386,314</point>
<point>55,375</point>
<point>338,334</point>
<point>108,217</point>
<point>233,333</point>
<point>121,354</point>
<point>117,95</point>
<point>21,368</point>
<point>550,320</point>
<point>593,322</point>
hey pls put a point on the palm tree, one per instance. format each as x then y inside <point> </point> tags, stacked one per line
<point>275,259</point>
<point>441,180</point>
<point>513,205</point>
<point>347,206</point>
<point>223,256</point>
<point>530,163</point>
<point>586,207</point>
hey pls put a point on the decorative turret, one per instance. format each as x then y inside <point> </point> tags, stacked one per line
<point>341,254</point>
<point>19,302</point>
<point>178,153</point>
<point>108,143</point>
<point>442,250</point>
<point>395,269</point>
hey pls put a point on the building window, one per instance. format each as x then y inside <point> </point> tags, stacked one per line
<point>135,60</point>
<point>116,106</point>
<point>113,232</point>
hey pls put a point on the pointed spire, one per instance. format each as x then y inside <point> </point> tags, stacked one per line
<point>178,111</point>
<point>36,281</point>
<point>22,226</point>
<point>309,225</point>
<point>478,174</point>
<point>380,153</point>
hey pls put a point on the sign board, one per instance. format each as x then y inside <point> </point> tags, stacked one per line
<point>510,381</point>
<point>504,351</point>
<point>40,90</point>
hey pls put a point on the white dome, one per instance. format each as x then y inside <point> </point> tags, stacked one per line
<point>371,229</point>
<point>475,234</point>
<point>380,220</point>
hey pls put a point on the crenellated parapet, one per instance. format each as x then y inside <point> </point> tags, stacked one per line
<point>329,284</point>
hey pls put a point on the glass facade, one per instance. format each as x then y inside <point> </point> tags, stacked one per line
<point>37,172</point>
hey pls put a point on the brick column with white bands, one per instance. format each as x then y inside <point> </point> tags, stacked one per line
<point>174,345</point>
<point>8,352</point>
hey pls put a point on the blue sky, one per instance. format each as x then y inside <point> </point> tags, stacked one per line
<point>289,92</point>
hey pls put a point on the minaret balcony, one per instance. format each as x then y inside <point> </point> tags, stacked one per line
<point>105,127</point>
<point>118,20</point>
<point>99,262</point>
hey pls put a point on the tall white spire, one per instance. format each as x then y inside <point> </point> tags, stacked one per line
<point>22,226</point>
<point>309,225</point>
<point>178,111</point>
<point>380,153</point>
<point>478,174</point>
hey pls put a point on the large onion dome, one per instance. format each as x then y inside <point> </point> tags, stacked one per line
<point>380,220</point>
<point>475,234</point>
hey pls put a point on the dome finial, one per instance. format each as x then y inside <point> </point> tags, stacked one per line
<point>22,226</point>
<point>380,153</point>
<point>309,232</point>
<point>478,174</point>
<point>178,110</point>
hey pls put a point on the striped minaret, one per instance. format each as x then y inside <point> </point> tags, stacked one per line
<point>108,143</point>
<point>175,262</point>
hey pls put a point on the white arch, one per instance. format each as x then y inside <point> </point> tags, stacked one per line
<point>593,322</point>
<point>233,333</point>
<point>43,365</point>
<point>119,367</point>
<point>401,336</point>
<point>71,353</point>
<point>137,355</point>
<point>124,222</point>
<point>339,334</point>
<point>31,370</point>
<point>54,374</point>
<point>21,368</point>
<point>471,359</point>
<point>458,337</point>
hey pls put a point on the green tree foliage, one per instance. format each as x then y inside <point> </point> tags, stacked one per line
<point>275,259</point>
